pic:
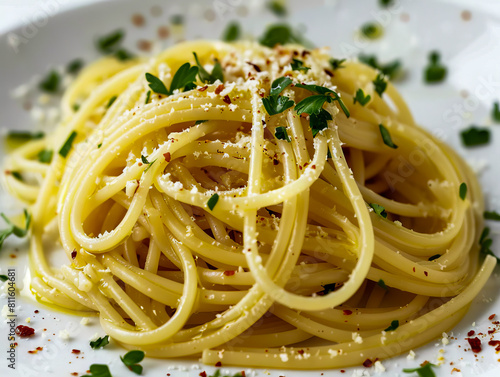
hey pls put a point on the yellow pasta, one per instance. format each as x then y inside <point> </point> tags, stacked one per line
<point>196,224</point>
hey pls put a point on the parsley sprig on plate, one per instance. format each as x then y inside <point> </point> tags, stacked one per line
<point>184,79</point>
<point>14,229</point>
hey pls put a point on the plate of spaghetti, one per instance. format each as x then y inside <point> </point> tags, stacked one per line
<point>251,188</point>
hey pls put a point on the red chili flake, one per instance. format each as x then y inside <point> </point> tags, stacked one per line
<point>491,317</point>
<point>76,351</point>
<point>275,162</point>
<point>24,331</point>
<point>39,348</point>
<point>329,73</point>
<point>475,344</point>
<point>494,343</point>
<point>74,374</point>
<point>243,374</point>
<point>167,156</point>
<point>203,88</point>
<point>73,254</point>
<point>367,363</point>
<point>413,269</point>
<point>470,333</point>
<point>342,371</point>
<point>13,255</point>
<point>219,89</point>
<point>426,273</point>
<point>218,364</point>
<point>229,273</point>
<point>313,167</point>
<point>255,66</point>
<point>424,363</point>
<point>226,99</point>
<point>300,352</point>
<point>36,312</point>
<point>347,312</point>
<point>203,374</point>
<point>305,53</point>
<point>455,370</point>
<point>33,352</point>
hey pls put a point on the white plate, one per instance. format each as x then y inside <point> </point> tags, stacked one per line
<point>470,50</point>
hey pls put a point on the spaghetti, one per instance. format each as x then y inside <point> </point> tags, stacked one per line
<point>196,223</point>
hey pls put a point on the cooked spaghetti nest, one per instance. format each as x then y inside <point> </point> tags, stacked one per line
<point>192,229</point>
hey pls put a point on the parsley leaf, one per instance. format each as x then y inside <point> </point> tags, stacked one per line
<point>24,135</point>
<point>177,19</point>
<point>495,114</point>
<point>435,71</point>
<point>218,374</point>
<point>111,101</point>
<point>109,43</point>
<point>380,84</point>
<point>148,96</point>
<point>156,84</point>
<point>361,97</point>
<point>75,66</point>
<point>279,85</point>
<point>184,77</point>
<point>381,284</point>
<point>100,343</point>
<point>132,360</point>
<point>463,190</point>
<point>424,371</point>
<point>394,325</point>
<point>278,34</point>
<point>17,175</point>
<point>282,134</point>
<point>50,83</point>
<point>206,77</point>
<point>67,144</point>
<point>386,3</point>
<point>298,65</point>
<point>386,136</point>
<point>474,136</point>
<point>390,69</point>
<point>371,30</point>
<point>311,104</point>
<point>213,201</point>
<point>318,121</point>
<point>123,54</point>
<point>45,156</point>
<point>14,229</point>
<point>330,94</point>
<point>379,210</point>
<point>337,63</point>
<point>277,8</point>
<point>491,215</point>
<point>4,278</point>
<point>436,256</point>
<point>232,32</point>
<point>98,370</point>
<point>276,104</point>
<point>485,244</point>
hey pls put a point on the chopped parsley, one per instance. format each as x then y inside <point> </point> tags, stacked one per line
<point>328,288</point>
<point>372,30</point>
<point>474,136</point>
<point>435,71</point>
<point>386,136</point>
<point>148,96</point>
<point>123,54</point>
<point>75,66</point>
<point>394,325</point>
<point>177,19</point>
<point>67,144</point>
<point>110,43</point>
<point>274,103</point>
<point>232,32</point>
<point>200,122</point>
<point>206,77</point>
<point>132,360</point>
<point>436,256</point>
<point>111,101</point>
<point>278,34</point>
<point>361,97</point>
<point>4,278</point>
<point>337,63</point>
<point>45,156</point>
<point>98,370</point>
<point>24,135</point>
<point>423,371</point>
<point>16,175</point>
<point>485,244</point>
<point>146,162</point>
<point>281,134</point>
<point>76,107</point>
<point>50,83</point>
<point>329,95</point>
<point>381,284</point>
<point>380,84</point>
<point>379,210</point>
<point>495,114</point>
<point>386,3</point>
<point>491,215</point>
<point>277,7</point>
<point>14,229</point>
<point>100,343</point>
<point>184,79</point>
<point>298,65</point>
<point>463,190</point>
<point>390,69</point>
<point>218,374</point>
<point>213,201</point>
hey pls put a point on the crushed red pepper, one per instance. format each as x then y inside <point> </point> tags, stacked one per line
<point>24,331</point>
